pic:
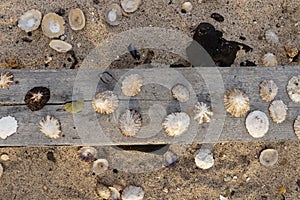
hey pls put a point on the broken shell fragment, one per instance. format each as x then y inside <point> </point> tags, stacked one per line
<point>103,191</point>
<point>175,124</point>
<point>53,25</point>
<point>113,14</point>
<point>297,127</point>
<point>60,46</point>
<point>1,170</point>
<point>37,97</point>
<point>76,19</point>
<point>8,126</point>
<point>87,154</point>
<point>50,126</point>
<point>268,157</point>
<point>278,111</point>
<point>181,93</point>
<point>236,102</point>
<point>130,6</point>
<point>204,159</point>
<point>293,89</point>
<point>105,102</point>
<point>30,20</point>
<point>202,113</point>
<point>114,194</point>
<point>130,123</point>
<point>6,79</point>
<point>100,166</point>
<point>291,50</point>
<point>268,90</point>
<point>132,84</point>
<point>133,193</point>
<point>271,37</point>
<point>269,60</point>
<point>257,124</point>
<point>187,7</point>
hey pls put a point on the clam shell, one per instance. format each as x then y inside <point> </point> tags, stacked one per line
<point>105,102</point>
<point>278,111</point>
<point>53,25</point>
<point>130,6</point>
<point>268,90</point>
<point>76,19</point>
<point>113,14</point>
<point>100,166</point>
<point>236,102</point>
<point>269,60</point>
<point>8,126</point>
<point>297,127</point>
<point>133,193</point>
<point>130,123</point>
<point>87,154</point>
<point>202,113</point>
<point>50,126</point>
<point>181,93</point>
<point>204,159</point>
<point>30,20</point>
<point>257,124</point>
<point>175,124</point>
<point>293,89</point>
<point>60,46</point>
<point>6,79</point>
<point>132,84</point>
<point>268,157</point>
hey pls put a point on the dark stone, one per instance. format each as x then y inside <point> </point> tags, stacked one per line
<point>33,101</point>
<point>61,12</point>
<point>50,156</point>
<point>217,17</point>
<point>134,52</point>
<point>157,149</point>
<point>26,39</point>
<point>242,38</point>
<point>247,63</point>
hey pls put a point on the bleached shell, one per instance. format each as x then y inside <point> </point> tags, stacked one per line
<point>87,154</point>
<point>291,50</point>
<point>268,157</point>
<point>60,46</point>
<point>114,194</point>
<point>130,6</point>
<point>133,193</point>
<point>293,89</point>
<point>1,170</point>
<point>269,60</point>
<point>53,25</point>
<point>100,166</point>
<point>271,37</point>
<point>76,19</point>
<point>278,111</point>
<point>50,126</point>
<point>181,93</point>
<point>6,79</point>
<point>130,123</point>
<point>175,124</point>
<point>132,84</point>
<point>187,6</point>
<point>113,14</point>
<point>297,127</point>
<point>8,126</point>
<point>236,102</point>
<point>105,102</point>
<point>30,20</point>
<point>102,191</point>
<point>204,159</point>
<point>268,90</point>
<point>202,113</point>
<point>257,124</point>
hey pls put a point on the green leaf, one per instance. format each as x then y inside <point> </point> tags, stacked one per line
<point>74,106</point>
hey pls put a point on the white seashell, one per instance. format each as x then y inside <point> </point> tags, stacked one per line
<point>293,89</point>
<point>268,90</point>
<point>53,25</point>
<point>6,79</point>
<point>113,14</point>
<point>278,111</point>
<point>130,123</point>
<point>268,157</point>
<point>133,193</point>
<point>132,84</point>
<point>187,6</point>
<point>114,194</point>
<point>87,154</point>
<point>8,126</point>
<point>181,93</point>
<point>204,159</point>
<point>297,127</point>
<point>236,102</point>
<point>76,19</point>
<point>105,102</point>
<point>271,37</point>
<point>1,170</point>
<point>50,126</point>
<point>60,46</point>
<point>130,6</point>
<point>202,113</point>
<point>257,124</point>
<point>269,60</point>
<point>102,191</point>
<point>175,124</point>
<point>4,157</point>
<point>30,20</point>
<point>100,166</point>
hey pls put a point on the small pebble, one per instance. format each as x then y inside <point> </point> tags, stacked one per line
<point>291,50</point>
<point>217,17</point>
<point>170,158</point>
<point>186,7</point>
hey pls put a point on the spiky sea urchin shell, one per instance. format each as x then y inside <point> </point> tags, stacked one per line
<point>130,123</point>
<point>204,159</point>
<point>297,127</point>
<point>6,79</point>
<point>100,166</point>
<point>278,111</point>
<point>236,102</point>
<point>133,193</point>
<point>181,93</point>
<point>268,157</point>
<point>268,90</point>
<point>293,89</point>
<point>257,124</point>
<point>269,60</point>
<point>50,126</point>
<point>132,84</point>
<point>202,113</point>
<point>175,124</point>
<point>105,102</point>
<point>87,154</point>
<point>37,97</point>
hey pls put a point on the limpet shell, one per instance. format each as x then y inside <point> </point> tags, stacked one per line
<point>113,14</point>
<point>87,154</point>
<point>278,111</point>
<point>297,127</point>
<point>269,60</point>
<point>130,123</point>
<point>202,113</point>
<point>271,37</point>
<point>50,126</point>
<point>30,20</point>
<point>133,193</point>
<point>236,102</point>
<point>100,166</point>
<point>293,89</point>
<point>181,93</point>
<point>175,124</point>
<point>132,84</point>
<point>76,19</point>
<point>60,46</point>
<point>8,126</point>
<point>204,159</point>
<point>130,6</point>
<point>257,124</point>
<point>268,90</point>
<point>268,157</point>
<point>53,25</point>
<point>37,97</point>
<point>187,6</point>
<point>105,102</point>
<point>6,79</point>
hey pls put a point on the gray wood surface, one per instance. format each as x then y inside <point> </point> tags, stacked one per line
<point>154,103</point>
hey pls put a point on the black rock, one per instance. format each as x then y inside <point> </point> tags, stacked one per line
<point>217,17</point>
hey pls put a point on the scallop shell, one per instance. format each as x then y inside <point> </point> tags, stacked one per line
<point>271,37</point>
<point>6,79</point>
<point>257,124</point>
<point>113,14</point>
<point>87,154</point>
<point>8,126</point>
<point>133,193</point>
<point>30,20</point>
<point>278,111</point>
<point>297,127</point>
<point>269,60</point>
<point>60,46</point>
<point>175,124</point>
<point>100,166</point>
<point>50,126</point>
<point>268,157</point>
<point>202,113</point>
<point>181,93</point>
<point>37,97</point>
<point>132,84</point>
<point>293,89</point>
<point>53,25</point>
<point>187,6</point>
<point>105,102</point>
<point>130,6</point>
<point>236,102</point>
<point>204,159</point>
<point>268,90</point>
<point>76,19</point>
<point>130,123</point>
